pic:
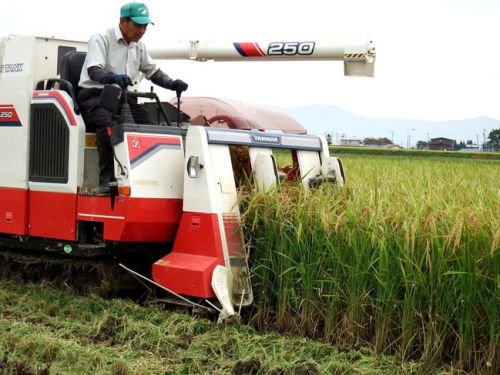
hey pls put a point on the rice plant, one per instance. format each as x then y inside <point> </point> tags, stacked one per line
<point>405,258</point>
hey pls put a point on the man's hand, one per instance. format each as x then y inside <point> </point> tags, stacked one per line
<point>122,80</point>
<point>177,85</point>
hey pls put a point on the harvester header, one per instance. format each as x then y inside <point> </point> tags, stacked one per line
<point>358,57</point>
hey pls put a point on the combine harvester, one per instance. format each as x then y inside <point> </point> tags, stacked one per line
<point>174,207</point>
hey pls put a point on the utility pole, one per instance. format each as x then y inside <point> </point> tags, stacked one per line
<point>408,139</point>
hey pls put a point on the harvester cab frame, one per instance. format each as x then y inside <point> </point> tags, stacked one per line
<point>176,196</point>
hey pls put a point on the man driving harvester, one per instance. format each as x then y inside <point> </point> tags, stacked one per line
<point>115,57</point>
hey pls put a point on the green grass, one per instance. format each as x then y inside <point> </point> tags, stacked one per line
<point>43,330</point>
<point>405,259</point>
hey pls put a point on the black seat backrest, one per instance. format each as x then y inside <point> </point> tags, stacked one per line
<point>71,68</point>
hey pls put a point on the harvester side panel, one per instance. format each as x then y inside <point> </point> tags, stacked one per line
<point>150,165</point>
<point>133,219</point>
<point>13,211</point>
<point>16,85</point>
<point>56,165</point>
<point>198,246</point>
<point>197,250</point>
<point>24,60</point>
<point>153,165</point>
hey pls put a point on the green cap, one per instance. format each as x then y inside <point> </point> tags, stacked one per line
<point>137,12</point>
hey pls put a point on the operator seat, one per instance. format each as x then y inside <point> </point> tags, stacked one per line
<point>71,68</point>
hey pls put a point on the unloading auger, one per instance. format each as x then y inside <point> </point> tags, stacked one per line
<point>358,56</point>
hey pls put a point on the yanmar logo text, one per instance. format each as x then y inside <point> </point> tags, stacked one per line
<point>266,139</point>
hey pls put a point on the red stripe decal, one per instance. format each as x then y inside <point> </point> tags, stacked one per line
<point>259,49</point>
<point>8,115</point>
<point>251,49</point>
<point>140,144</point>
<point>57,95</point>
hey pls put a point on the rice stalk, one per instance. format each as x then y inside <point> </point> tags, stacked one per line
<point>405,259</point>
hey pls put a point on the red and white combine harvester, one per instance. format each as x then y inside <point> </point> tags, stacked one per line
<point>176,188</point>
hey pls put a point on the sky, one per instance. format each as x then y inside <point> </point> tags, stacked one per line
<point>436,59</point>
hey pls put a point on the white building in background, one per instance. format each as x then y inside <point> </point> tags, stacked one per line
<point>471,148</point>
<point>353,142</point>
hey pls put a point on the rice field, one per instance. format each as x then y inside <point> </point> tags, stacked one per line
<point>46,331</point>
<point>404,259</point>
<point>399,270</point>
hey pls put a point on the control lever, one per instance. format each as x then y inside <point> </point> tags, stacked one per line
<point>126,112</point>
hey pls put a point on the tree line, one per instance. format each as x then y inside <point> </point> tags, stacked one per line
<point>493,141</point>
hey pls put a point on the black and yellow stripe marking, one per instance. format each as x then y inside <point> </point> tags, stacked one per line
<point>349,56</point>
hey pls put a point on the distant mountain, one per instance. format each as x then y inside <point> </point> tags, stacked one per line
<point>321,119</point>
